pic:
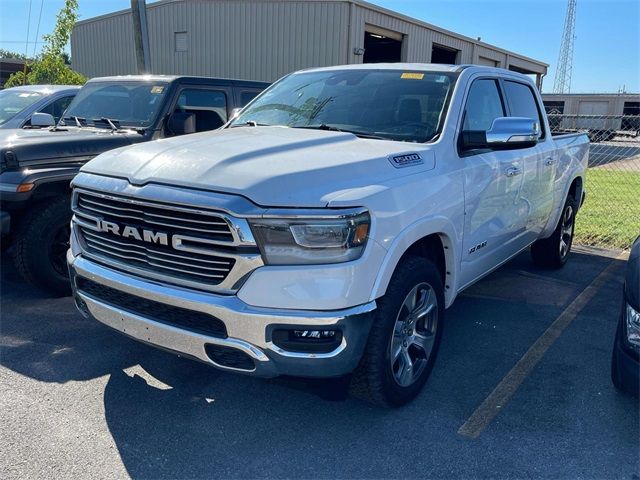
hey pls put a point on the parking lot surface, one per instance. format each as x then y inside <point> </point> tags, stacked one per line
<point>79,400</point>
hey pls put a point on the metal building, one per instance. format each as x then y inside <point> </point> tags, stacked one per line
<point>265,39</point>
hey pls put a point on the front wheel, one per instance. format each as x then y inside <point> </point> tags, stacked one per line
<point>405,336</point>
<point>40,246</point>
<point>553,252</point>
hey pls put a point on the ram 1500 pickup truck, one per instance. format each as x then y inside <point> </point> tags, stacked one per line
<point>36,166</point>
<point>324,231</point>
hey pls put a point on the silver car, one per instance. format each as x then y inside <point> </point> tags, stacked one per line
<point>18,104</point>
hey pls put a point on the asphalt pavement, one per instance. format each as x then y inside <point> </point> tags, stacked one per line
<point>79,400</point>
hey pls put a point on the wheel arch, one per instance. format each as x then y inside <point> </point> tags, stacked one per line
<point>434,240</point>
<point>576,189</point>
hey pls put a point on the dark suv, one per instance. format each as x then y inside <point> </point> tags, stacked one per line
<point>36,166</point>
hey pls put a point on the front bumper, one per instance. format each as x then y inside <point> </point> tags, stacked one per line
<point>248,328</point>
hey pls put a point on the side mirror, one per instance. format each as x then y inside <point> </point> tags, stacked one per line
<point>505,133</point>
<point>182,123</point>
<point>42,120</point>
<point>234,113</point>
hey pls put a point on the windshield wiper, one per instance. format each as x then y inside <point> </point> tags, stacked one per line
<point>109,121</point>
<point>332,128</point>
<point>250,123</point>
<point>78,120</point>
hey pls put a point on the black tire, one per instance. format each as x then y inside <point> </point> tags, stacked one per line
<point>40,243</point>
<point>375,378</point>
<point>549,252</point>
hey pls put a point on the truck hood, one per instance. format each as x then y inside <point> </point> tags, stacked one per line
<point>272,166</point>
<point>45,147</point>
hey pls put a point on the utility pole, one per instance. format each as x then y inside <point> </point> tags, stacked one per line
<point>562,81</point>
<point>141,35</point>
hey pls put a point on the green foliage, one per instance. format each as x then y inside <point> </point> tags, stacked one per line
<point>51,66</point>
<point>610,216</point>
<point>9,54</point>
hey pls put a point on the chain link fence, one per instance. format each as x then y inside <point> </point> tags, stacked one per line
<point>611,214</point>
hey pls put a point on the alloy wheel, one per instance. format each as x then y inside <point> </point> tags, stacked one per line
<point>414,334</point>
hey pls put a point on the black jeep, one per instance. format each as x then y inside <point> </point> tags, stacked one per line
<point>36,166</point>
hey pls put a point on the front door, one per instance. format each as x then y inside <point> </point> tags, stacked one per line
<point>496,205</point>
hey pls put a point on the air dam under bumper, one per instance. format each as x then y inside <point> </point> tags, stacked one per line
<point>248,329</point>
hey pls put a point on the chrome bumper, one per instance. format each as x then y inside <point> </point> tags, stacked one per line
<point>248,328</point>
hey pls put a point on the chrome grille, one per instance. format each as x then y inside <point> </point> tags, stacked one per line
<point>200,249</point>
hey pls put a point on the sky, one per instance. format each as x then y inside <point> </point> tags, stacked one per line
<point>607,44</point>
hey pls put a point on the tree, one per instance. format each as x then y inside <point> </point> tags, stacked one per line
<point>10,54</point>
<point>50,65</point>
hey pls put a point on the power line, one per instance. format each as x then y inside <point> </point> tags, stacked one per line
<point>35,44</point>
<point>26,47</point>
<point>21,41</point>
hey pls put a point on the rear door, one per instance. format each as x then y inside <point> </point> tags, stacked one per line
<point>538,163</point>
<point>496,213</point>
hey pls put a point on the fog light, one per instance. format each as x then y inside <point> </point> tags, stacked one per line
<point>320,334</point>
<point>309,341</point>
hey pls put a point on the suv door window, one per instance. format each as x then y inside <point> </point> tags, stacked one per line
<point>484,105</point>
<point>209,107</point>
<point>247,95</point>
<point>57,107</point>
<point>522,102</point>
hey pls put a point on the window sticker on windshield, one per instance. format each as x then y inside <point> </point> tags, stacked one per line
<point>412,76</point>
<point>157,89</point>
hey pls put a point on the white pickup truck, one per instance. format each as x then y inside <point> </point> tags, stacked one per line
<point>324,231</point>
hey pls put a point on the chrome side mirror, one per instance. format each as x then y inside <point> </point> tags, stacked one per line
<point>505,133</point>
<point>40,119</point>
<point>514,132</point>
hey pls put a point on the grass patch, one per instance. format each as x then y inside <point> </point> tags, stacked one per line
<point>610,217</point>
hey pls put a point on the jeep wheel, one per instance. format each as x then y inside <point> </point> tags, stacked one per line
<point>404,340</point>
<point>41,244</point>
<point>553,252</point>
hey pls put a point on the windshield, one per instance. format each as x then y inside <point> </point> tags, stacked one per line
<point>126,104</point>
<point>13,101</point>
<point>385,104</point>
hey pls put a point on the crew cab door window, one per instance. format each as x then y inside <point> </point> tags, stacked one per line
<point>522,102</point>
<point>209,107</point>
<point>483,106</point>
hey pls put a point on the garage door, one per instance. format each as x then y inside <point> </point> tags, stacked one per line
<point>590,107</point>
<point>487,62</point>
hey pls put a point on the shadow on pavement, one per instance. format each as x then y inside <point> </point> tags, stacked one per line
<point>174,418</point>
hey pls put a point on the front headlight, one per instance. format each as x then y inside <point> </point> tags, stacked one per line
<point>632,324</point>
<point>312,240</point>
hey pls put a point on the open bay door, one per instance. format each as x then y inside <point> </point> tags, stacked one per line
<point>381,45</point>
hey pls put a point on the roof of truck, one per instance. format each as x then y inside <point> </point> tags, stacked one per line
<point>431,67</point>
<point>46,89</point>
<point>172,78</point>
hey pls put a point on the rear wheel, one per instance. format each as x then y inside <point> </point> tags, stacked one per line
<point>41,244</point>
<point>553,252</point>
<point>404,340</point>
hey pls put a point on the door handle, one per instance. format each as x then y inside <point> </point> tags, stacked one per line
<point>512,171</point>
<point>549,161</point>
